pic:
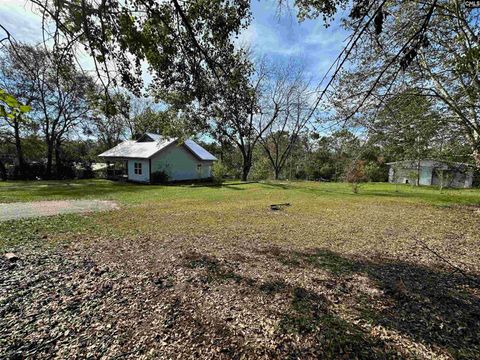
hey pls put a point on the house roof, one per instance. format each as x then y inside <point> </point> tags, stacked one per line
<point>146,149</point>
<point>152,136</point>
<point>199,151</point>
<point>428,162</point>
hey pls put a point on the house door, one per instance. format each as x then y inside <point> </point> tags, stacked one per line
<point>425,176</point>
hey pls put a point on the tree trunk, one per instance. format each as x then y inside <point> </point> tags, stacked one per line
<point>58,160</point>
<point>19,150</point>
<point>246,163</point>
<point>418,173</point>
<point>48,170</point>
<point>222,146</point>
<point>276,173</point>
<point>3,171</point>
<point>476,150</point>
<point>246,169</point>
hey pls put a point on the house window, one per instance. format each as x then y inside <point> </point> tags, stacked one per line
<point>199,167</point>
<point>137,168</point>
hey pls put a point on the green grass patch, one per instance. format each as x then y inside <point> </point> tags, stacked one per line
<point>13,191</point>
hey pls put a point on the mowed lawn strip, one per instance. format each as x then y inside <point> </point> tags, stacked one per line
<point>22,191</point>
<point>334,273</point>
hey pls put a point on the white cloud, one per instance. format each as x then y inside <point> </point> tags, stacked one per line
<point>17,17</point>
<point>267,40</point>
<point>319,36</point>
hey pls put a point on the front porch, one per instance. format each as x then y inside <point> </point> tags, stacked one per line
<point>117,170</point>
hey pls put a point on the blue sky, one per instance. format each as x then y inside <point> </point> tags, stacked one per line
<point>280,38</point>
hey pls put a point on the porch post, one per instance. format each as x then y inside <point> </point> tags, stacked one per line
<point>150,171</point>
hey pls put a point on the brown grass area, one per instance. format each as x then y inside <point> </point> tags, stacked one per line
<point>352,228</point>
<point>195,278</point>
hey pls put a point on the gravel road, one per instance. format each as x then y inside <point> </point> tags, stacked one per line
<point>12,211</point>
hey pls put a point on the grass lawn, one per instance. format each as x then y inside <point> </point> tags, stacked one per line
<point>211,272</point>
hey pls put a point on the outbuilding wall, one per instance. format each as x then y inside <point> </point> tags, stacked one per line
<point>458,179</point>
<point>402,175</point>
<point>429,174</point>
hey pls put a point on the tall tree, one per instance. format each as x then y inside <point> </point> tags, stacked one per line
<point>139,106</point>
<point>111,118</point>
<point>290,94</point>
<point>60,96</point>
<point>15,123</point>
<point>11,113</point>
<point>241,114</point>
<point>442,61</point>
<point>188,46</point>
<point>408,127</point>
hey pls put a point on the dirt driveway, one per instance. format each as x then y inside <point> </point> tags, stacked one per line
<point>12,211</point>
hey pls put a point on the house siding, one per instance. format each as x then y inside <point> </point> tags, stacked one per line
<point>145,176</point>
<point>180,164</point>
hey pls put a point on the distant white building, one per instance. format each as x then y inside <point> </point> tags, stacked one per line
<point>153,153</point>
<point>431,172</point>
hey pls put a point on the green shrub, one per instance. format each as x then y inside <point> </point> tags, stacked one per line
<point>159,177</point>
<point>376,172</point>
<point>219,171</point>
<point>261,170</point>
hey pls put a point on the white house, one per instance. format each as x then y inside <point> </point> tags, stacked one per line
<point>153,153</point>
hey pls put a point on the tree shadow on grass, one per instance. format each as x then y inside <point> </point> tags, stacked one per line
<point>274,185</point>
<point>218,185</point>
<point>429,306</point>
<point>215,184</point>
<point>319,332</point>
<point>434,307</point>
<point>310,316</point>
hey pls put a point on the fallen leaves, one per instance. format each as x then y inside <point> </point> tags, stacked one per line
<point>11,256</point>
<point>325,278</point>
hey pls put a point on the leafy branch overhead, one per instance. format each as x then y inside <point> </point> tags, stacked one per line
<point>363,11</point>
<point>10,106</point>
<point>187,45</point>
